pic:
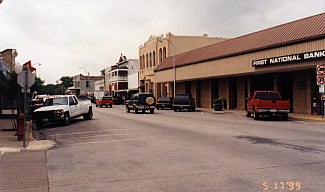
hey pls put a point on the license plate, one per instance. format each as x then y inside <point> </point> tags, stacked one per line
<point>163,105</point>
<point>273,110</point>
<point>181,107</point>
<point>45,120</point>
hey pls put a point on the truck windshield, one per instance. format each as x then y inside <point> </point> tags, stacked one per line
<point>56,101</point>
<point>267,96</point>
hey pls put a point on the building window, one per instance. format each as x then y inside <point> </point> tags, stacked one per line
<point>140,62</point>
<point>154,59</point>
<point>164,53</point>
<point>143,60</point>
<point>87,84</point>
<point>160,55</point>
<point>147,60</point>
<point>150,58</point>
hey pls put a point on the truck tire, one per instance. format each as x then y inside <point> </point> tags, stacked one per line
<point>135,110</point>
<point>66,119</point>
<point>150,100</point>
<point>248,114</point>
<point>89,115</point>
<point>152,111</point>
<point>127,109</point>
<point>255,115</point>
<point>284,117</point>
<point>110,105</point>
<point>39,124</point>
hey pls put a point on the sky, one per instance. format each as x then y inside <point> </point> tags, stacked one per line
<point>71,37</point>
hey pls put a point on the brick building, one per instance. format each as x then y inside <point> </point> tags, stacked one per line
<point>282,58</point>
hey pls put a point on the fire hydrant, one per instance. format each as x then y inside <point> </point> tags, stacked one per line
<point>20,127</point>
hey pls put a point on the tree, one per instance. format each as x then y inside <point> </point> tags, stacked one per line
<point>67,81</point>
<point>38,86</point>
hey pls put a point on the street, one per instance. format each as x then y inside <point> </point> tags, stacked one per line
<point>185,151</point>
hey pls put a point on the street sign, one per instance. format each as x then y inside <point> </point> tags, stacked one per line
<point>320,69</point>
<point>321,89</point>
<point>320,79</point>
<point>21,79</point>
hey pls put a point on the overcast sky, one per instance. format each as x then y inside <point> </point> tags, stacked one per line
<point>64,35</point>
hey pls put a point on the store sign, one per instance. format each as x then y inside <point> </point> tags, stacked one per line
<point>289,58</point>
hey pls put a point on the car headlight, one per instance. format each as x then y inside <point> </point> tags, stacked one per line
<point>58,111</point>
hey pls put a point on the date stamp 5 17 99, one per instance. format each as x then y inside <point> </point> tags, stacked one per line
<point>282,186</point>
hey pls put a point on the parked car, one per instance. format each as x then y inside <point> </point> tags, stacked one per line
<point>183,101</point>
<point>164,102</point>
<point>104,101</point>
<point>141,102</point>
<point>118,101</point>
<point>267,103</point>
<point>62,108</point>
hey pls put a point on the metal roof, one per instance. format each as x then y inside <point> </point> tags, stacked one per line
<point>293,32</point>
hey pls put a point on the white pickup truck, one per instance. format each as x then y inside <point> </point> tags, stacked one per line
<point>61,108</point>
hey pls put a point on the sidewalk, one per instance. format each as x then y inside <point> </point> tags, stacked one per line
<point>295,116</point>
<point>8,139</point>
<point>9,142</point>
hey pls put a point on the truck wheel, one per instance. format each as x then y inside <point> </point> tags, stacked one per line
<point>255,115</point>
<point>39,125</point>
<point>248,114</point>
<point>127,110</point>
<point>96,105</point>
<point>152,111</point>
<point>135,110</point>
<point>66,119</point>
<point>285,117</point>
<point>110,105</point>
<point>89,115</point>
<point>175,110</point>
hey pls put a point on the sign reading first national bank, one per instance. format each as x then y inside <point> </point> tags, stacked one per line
<point>289,58</point>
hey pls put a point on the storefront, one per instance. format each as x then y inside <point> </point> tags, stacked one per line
<point>282,58</point>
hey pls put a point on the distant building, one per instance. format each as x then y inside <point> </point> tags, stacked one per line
<point>83,85</point>
<point>121,79</point>
<point>158,48</point>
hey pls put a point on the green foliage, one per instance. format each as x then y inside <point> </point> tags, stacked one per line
<point>67,81</point>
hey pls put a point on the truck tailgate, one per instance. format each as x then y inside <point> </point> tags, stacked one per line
<point>274,104</point>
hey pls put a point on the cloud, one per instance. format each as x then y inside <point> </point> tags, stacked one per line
<point>65,35</point>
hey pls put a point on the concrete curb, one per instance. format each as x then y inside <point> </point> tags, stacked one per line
<point>40,145</point>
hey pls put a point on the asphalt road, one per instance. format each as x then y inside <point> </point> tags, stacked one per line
<point>185,151</point>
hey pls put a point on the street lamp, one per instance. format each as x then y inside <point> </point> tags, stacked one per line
<point>87,77</point>
<point>174,65</point>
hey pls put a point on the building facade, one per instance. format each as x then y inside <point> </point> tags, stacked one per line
<point>84,85</point>
<point>153,52</point>
<point>282,58</point>
<point>121,79</point>
<point>9,57</point>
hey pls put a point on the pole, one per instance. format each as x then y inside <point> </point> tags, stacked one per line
<point>25,105</point>
<point>174,68</point>
<point>88,82</point>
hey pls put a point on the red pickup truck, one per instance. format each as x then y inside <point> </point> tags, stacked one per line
<point>267,103</point>
<point>104,101</point>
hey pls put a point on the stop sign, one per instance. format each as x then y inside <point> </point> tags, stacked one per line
<point>21,79</point>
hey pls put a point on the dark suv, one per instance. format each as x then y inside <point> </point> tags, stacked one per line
<point>141,102</point>
<point>183,101</point>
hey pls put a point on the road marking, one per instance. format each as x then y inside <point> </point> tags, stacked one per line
<point>303,122</point>
<point>77,133</point>
<point>111,141</point>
